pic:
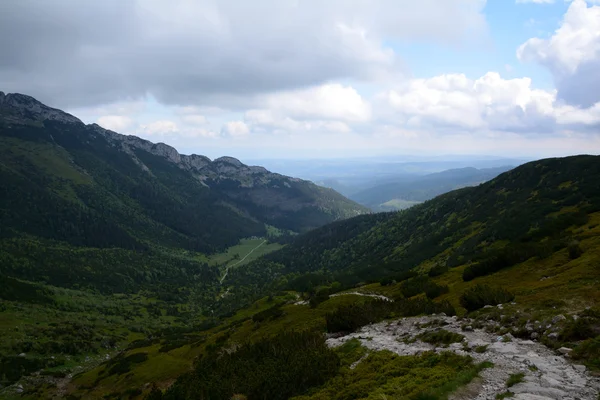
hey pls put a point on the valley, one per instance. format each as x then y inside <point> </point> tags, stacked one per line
<point>131,271</point>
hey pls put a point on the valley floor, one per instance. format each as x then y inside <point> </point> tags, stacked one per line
<point>546,374</point>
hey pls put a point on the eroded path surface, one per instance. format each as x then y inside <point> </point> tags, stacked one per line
<point>548,374</point>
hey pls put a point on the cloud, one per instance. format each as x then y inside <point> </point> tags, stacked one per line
<point>158,128</point>
<point>115,123</point>
<point>456,103</point>
<point>329,101</point>
<point>209,52</point>
<point>235,128</point>
<point>572,54</point>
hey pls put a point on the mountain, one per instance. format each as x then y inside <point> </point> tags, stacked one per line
<point>527,240</point>
<point>515,258</point>
<point>92,187</point>
<point>413,190</point>
<point>528,211</point>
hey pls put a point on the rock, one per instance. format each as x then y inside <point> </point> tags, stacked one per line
<point>487,306</point>
<point>500,306</point>
<point>19,388</point>
<point>534,335</point>
<point>553,336</point>
<point>468,328</point>
<point>579,368</point>
<point>22,355</point>
<point>558,318</point>
<point>527,396</point>
<point>565,350</point>
<point>534,389</point>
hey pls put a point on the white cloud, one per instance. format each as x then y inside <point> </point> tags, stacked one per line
<point>159,128</point>
<point>490,103</point>
<point>329,101</point>
<point>572,54</point>
<point>236,128</point>
<point>210,52</point>
<point>115,123</point>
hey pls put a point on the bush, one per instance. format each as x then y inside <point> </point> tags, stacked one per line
<point>480,296</point>
<point>433,290</point>
<point>515,379</point>
<point>440,337</point>
<point>274,368</point>
<point>437,270</point>
<point>579,329</point>
<point>574,249</point>
<point>589,352</point>
<point>352,317</point>
<point>270,313</point>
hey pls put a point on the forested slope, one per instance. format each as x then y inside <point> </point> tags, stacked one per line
<point>526,212</point>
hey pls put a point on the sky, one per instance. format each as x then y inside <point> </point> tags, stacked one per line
<point>317,78</point>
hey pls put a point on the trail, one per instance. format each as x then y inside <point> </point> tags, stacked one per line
<point>233,265</point>
<point>548,375</point>
<point>376,296</point>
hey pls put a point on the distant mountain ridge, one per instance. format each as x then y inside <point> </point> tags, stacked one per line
<point>418,189</point>
<point>150,190</point>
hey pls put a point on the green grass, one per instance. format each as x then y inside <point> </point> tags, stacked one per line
<point>235,253</point>
<point>441,337</point>
<point>515,379</point>
<point>504,395</point>
<point>481,349</point>
<point>398,204</point>
<point>385,375</point>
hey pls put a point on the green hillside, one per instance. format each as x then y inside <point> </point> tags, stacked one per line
<point>105,238</point>
<point>529,239</point>
<point>130,271</point>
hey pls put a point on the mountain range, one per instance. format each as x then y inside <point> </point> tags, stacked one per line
<point>121,279</point>
<point>131,191</point>
<point>410,190</point>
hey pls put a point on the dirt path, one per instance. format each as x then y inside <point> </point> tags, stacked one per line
<point>376,296</point>
<point>233,265</point>
<point>547,374</point>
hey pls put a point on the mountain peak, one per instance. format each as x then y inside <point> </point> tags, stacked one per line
<point>230,160</point>
<point>22,108</point>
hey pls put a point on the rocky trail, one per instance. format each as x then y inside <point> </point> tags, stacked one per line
<point>547,374</point>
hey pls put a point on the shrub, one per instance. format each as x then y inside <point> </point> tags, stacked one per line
<point>589,352</point>
<point>575,330</point>
<point>350,318</point>
<point>515,379</point>
<point>440,337</point>
<point>437,270</point>
<point>274,368</point>
<point>433,290</point>
<point>480,296</point>
<point>270,313</point>
<point>574,249</point>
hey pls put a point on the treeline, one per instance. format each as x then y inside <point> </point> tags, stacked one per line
<point>352,317</point>
<point>105,270</point>
<point>276,368</point>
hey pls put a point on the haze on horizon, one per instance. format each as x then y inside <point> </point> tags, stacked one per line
<point>291,79</point>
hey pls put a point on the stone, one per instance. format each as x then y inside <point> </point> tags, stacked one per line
<point>534,335</point>
<point>579,368</point>
<point>19,388</point>
<point>565,350</point>
<point>553,336</point>
<point>558,319</point>
<point>468,328</point>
